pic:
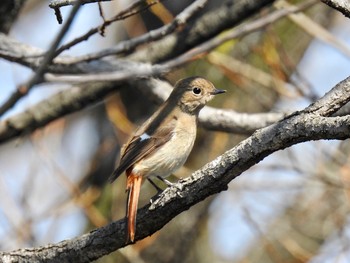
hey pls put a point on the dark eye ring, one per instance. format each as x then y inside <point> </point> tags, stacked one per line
<point>196,90</point>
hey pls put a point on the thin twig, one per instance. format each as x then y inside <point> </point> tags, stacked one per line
<point>131,10</point>
<point>37,77</point>
<point>59,3</point>
<point>102,15</point>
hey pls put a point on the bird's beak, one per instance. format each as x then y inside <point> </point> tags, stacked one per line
<point>218,91</point>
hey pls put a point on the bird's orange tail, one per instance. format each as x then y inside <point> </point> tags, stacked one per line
<point>133,186</point>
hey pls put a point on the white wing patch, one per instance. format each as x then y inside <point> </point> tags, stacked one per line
<point>144,136</point>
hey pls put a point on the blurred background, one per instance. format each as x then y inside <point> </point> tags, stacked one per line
<point>291,207</point>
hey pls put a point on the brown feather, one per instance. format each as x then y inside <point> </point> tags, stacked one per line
<point>136,149</point>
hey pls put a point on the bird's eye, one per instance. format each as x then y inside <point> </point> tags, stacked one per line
<point>196,90</point>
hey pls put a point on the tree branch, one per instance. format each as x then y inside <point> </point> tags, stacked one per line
<point>9,10</point>
<point>25,55</point>
<point>212,23</point>
<point>143,70</point>
<point>61,104</point>
<point>211,179</point>
<point>60,3</point>
<point>332,101</point>
<point>78,97</point>
<point>37,77</point>
<point>129,45</point>
<point>342,6</point>
<point>24,123</point>
<point>131,10</point>
<point>57,4</point>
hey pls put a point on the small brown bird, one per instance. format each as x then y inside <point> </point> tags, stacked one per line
<point>162,144</point>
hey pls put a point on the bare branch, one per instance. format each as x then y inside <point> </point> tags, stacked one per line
<point>78,97</point>
<point>342,6</point>
<point>332,101</point>
<point>205,27</point>
<point>37,77</point>
<point>129,45</point>
<point>61,104</point>
<point>231,122</point>
<point>60,3</point>
<point>237,122</point>
<point>57,4</point>
<point>131,10</point>
<point>143,70</point>
<point>29,56</point>
<point>70,65</point>
<point>211,118</point>
<point>9,10</point>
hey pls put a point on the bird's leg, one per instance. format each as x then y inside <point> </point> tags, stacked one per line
<point>167,182</point>
<point>159,190</point>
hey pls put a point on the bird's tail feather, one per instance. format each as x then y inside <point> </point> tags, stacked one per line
<point>133,187</point>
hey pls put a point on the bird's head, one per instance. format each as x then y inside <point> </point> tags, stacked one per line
<point>193,93</point>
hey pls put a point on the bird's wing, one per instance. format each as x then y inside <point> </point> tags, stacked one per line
<point>141,145</point>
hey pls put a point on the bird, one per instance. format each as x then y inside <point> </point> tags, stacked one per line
<point>163,143</point>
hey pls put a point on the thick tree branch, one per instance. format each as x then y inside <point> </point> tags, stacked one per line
<point>342,6</point>
<point>332,101</point>
<point>61,104</point>
<point>211,179</point>
<point>237,122</point>
<point>27,122</point>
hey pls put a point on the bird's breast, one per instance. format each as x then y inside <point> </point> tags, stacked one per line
<point>170,156</point>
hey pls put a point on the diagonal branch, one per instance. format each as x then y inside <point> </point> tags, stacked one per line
<point>210,24</point>
<point>342,6</point>
<point>147,70</point>
<point>131,10</point>
<point>61,104</point>
<point>60,3</point>
<point>129,45</point>
<point>332,101</point>
<point>37,77</point>
<point>57,4</point>
<point>26,55</point>
<point>209,180</point>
